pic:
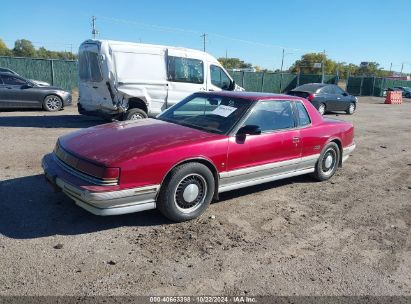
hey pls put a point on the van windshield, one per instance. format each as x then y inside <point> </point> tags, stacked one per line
<point>89,67</point>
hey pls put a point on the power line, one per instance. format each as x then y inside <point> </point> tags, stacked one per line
<point>180,30</point>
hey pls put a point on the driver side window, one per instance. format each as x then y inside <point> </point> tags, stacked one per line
<point>12,80</point>
<point>219,78</point>
<point>271,115</point>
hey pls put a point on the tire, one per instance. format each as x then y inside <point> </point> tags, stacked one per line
<point>52,103</point>
<point>135,114</point>
<point>187,192</point>
<point>321,108</point>
<point>327,163</point>
<point>351,109</point>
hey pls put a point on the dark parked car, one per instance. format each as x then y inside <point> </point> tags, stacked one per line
<point>17,92</point>
<point>326,97</point>
<point>406,91</point>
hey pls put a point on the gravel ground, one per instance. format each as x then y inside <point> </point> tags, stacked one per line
<point>347,236</point>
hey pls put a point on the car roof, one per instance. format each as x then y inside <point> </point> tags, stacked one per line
<point>252,96</point>
<point>311,86</point>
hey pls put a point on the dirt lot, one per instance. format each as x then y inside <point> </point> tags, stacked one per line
<point>347,236</point>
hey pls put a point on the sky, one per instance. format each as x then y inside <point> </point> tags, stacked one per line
<point>349,31</point>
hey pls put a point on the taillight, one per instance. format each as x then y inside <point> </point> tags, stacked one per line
<point>310,97</point>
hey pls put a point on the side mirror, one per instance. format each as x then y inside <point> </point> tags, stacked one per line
<point>249,130</point>
<point>27,86</point>
<point>345,94</point>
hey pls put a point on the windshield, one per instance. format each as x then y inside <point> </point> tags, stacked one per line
<point>216,114</point>
<point>89,67</point>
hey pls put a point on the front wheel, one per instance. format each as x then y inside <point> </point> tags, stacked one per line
<point>187,192</point>
<point>321,109</point>
<point>135,114</point>
<point>52,103</point>
<point>351,109</point>
<point>327,163</point>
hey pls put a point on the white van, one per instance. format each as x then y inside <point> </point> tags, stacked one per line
<point>124,80</point>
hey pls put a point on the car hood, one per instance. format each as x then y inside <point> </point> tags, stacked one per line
<point>116,142</point>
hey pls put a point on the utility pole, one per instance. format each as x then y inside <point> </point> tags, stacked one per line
<point>390,67</point>
<point>204,41</point>
<point>402,67</point>
<point>94,31</point>
<point>282,60</point>
<point>226,54</point>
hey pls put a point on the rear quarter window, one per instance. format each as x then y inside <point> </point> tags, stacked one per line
<point>302,114</point>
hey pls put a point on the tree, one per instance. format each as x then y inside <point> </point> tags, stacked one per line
<point>24,48</point>
<point>307,64</point>
<point>234,63</point>
<point>4,50</point>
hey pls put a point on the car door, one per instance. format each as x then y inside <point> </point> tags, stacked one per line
<point>330,99</point>
<point>275,151</point>
<point>186,75</point>
<point>342,99</point>
<point>3,94</point>
<point>17,92</point>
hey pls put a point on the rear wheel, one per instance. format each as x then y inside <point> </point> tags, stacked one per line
<point>135,114</point>
<point>187,192</point>
<point>321,109</point>
<point>351,109</point>
<point>52,103</point>
<point>327,163</point>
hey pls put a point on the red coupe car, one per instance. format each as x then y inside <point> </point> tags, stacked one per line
<point>206,144</point>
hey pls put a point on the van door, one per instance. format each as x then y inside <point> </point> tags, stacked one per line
<point>219,80</point>
<point>93,88</point>
<point>141,73</point>
<point>186,75</point>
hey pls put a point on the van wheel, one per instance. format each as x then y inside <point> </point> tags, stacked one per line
<point>135,114</point>
<point>187,192</point>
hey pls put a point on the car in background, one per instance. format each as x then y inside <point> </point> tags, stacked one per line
<point>17,92</point>
<point>209,143</point>
<point>406,91</point>
<point>326,97</point>
<point>37,82</point>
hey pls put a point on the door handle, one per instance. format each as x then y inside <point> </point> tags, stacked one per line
<point>296,140</point>
<point>95,87</point>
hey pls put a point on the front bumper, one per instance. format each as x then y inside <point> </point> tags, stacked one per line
<point>67,99</point>
<point>99,202</point>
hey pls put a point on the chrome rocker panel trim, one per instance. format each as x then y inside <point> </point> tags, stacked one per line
<point>266,173</point>
<point>347,151</point>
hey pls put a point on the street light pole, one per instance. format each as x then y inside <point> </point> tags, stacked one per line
<point>282,61</point>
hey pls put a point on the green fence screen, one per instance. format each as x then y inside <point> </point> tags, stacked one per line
<point>64,73</point>
<point>61,73</point>
<point>373,86</point>
<point>276,82</point>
